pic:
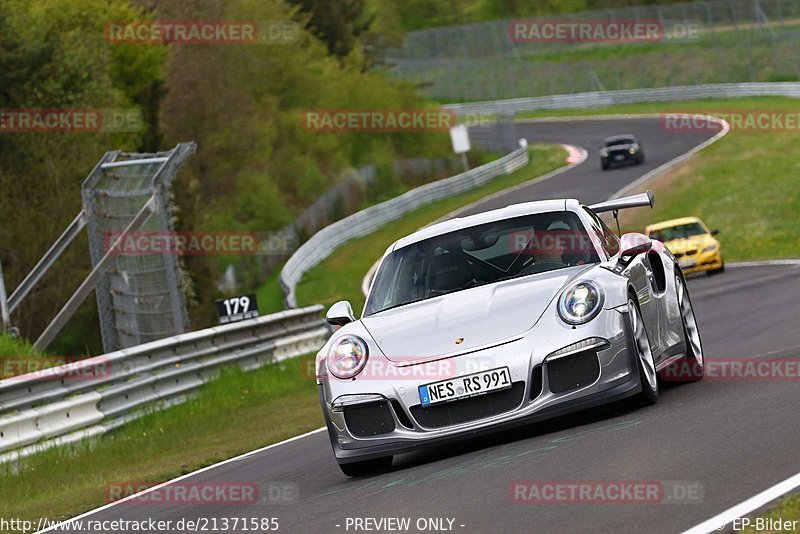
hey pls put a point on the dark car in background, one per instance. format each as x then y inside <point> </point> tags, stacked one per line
<point>620,150</point>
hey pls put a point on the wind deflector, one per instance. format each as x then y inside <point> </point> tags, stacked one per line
<point>635,201</point>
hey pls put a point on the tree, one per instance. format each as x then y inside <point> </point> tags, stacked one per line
<point>338,23</point>
<point>53,56</point>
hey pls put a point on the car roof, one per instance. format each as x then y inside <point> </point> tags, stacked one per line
<point>509,212</point>
<point>618,137</point>
<point>673,222</point>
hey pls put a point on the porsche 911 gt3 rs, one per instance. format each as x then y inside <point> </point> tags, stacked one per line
<point>501,319</point>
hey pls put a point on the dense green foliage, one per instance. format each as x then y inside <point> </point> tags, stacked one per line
<point>338,24</point>
<point>256,166</point>
<point>53,55</point>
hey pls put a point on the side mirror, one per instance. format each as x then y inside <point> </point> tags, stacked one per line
<point>340,314</point>
<point>714,232</point>
<point>634,244</point>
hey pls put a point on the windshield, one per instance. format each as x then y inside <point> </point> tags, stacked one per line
<point>682,231</point>
<point>617,142</point>
<point>481,255</point>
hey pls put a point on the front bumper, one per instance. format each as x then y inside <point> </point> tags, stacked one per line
<point>621,158</point>
<point>617,378</point>
<point>708,261</point>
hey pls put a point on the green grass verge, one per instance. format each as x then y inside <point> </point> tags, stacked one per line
<point>339,277</point>
<point>235,414</point>
<point>270,295</point>
<point>18,357</point>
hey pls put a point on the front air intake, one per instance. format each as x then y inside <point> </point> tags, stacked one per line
<point>372,419</point>
<point>573,372</point>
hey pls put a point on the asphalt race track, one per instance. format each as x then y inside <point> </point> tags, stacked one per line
<point>731,439</point>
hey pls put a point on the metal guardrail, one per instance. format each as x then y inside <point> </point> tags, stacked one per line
<point>70,402</point>
<point>323,243</point>
<point>634,96</point>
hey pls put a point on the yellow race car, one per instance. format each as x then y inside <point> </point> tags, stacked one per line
<point>693,245</point>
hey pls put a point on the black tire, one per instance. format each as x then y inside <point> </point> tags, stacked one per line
<point>649,394</point>
<point>692,367</point>
<point>366,467</point>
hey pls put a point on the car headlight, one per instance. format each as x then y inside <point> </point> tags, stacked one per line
<point>580,303</point>
<point>604,153</point>
<point>710,248</point>
<point>632,150</point>
<point>347,356</point>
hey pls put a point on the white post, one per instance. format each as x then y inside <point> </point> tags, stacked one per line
<point>5,318</point>
<point>459,135</point>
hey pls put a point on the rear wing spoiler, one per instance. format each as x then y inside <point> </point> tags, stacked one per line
<point>635,201</point>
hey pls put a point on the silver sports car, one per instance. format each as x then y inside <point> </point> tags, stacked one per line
<point>501,319</point>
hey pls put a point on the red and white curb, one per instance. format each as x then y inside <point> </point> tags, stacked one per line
<point>575,155</point>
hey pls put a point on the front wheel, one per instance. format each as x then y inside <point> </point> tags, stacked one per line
<point>366,467</point>
<point>644,357</point>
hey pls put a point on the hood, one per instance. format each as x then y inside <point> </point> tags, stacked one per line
<point>698,242</point>
<point>482,316</point>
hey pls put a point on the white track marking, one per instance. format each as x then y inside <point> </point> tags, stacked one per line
<point>718,522</point>
<point>63,525</point>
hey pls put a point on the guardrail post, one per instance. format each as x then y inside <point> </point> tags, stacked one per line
<point>5,318</point>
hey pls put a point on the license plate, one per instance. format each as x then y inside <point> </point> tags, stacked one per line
<point>619,158</point>
<point>465,386</point>
<point>687,263</point>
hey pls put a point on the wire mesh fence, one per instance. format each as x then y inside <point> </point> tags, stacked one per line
<point>714,41</point>
<point>140,298</point>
